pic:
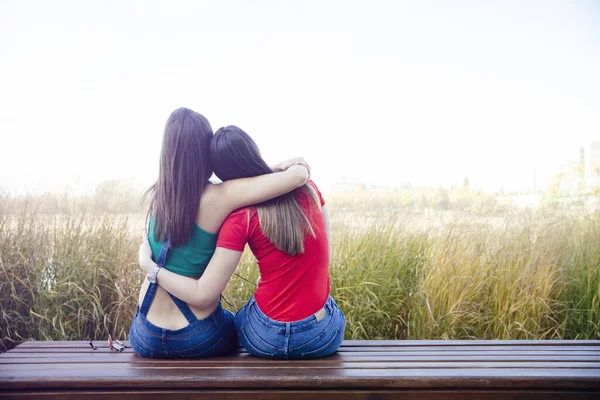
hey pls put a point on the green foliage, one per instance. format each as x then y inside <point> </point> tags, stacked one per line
<point>66,277</point>
<point>466,269</point>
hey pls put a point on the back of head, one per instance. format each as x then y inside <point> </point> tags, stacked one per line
<point>233,155</point>
<point>183,174</point>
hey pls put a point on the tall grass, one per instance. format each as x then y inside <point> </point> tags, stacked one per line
<point>398,272</point>
<point>69,278</point>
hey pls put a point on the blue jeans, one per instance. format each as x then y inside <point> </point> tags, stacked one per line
<point>210,337</point>
<point>307,338</point>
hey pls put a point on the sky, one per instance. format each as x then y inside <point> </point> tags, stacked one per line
<point>504,93</point>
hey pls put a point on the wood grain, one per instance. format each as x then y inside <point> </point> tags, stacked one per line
<point>360,370</point>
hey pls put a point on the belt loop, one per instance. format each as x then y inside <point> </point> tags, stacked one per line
<point>215,313</point>
<point>330,303</point>
<point>164,340</point>
<point>286,344</point>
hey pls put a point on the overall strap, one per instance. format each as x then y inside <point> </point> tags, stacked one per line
<point>151,292</point>
<point>184,308</point>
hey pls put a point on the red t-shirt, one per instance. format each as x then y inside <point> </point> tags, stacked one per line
<point>290,288</point>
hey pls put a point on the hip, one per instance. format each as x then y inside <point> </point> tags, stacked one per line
<point>208,337</point>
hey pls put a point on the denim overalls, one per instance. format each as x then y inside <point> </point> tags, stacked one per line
<point>213,336</point>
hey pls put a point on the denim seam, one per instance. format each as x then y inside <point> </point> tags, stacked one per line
<point>325,346</point>
<point>211,337</point>
<point>180,338</point>
<point>139,349</point>
<point>141,325</point>
<point>198,355</point>
<point>253,349</point>
<point>250,329</point>
<point>140,342</point>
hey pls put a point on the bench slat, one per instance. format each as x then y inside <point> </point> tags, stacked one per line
<point>312,368</point>
<point>334,359</point>
<point>405,394</point>
<point>383,343</point>
<point>104,346</point>
<point>398,365</point>
<point>289,378</point>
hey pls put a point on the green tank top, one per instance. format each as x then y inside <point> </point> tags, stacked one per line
<point>189,259</point>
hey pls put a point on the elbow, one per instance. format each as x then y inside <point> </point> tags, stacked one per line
<point>301,175</point>
<point>203,299</point>
<point>202,302</point>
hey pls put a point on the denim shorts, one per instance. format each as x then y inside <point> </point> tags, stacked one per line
<point>210,337</point>
<point>307,338</point>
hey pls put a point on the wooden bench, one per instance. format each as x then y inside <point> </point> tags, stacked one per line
<point>360,370</point>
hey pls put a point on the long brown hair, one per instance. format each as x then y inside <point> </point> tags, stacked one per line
<point>233,154</point>
<point>183,175</point>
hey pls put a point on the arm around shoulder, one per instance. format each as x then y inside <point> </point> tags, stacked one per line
<point>238,193</point>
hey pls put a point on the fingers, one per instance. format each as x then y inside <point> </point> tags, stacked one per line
<point>291,162</point>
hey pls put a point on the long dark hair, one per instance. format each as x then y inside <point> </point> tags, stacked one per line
<point>233,154</point>
<point>183,175</point>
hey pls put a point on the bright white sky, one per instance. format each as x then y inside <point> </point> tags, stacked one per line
<point>381,92</point>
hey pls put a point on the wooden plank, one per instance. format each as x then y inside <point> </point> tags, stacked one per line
<point>407,351</point>
<point>249,361</point>
<point>308,395</point>
<point>382,343</point>
<point>303,368</point>
<point>508,366</point>
<point>132,357</point>
<point>378,344</point>
<point>289,378</point>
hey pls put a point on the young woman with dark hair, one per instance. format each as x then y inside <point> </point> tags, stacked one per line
<point>291,314</point>
<point>185,214</point>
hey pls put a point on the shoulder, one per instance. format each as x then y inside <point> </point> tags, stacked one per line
<point>313,184</point>
<point>240,216</point>
<point>317,191</point>
<point>211,193</point>
<point>235,230</point>
<point>215,199</point>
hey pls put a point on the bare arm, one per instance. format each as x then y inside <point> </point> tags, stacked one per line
<point>328,229</point>
<point>204,292</point>
<point>247,191</point>
<point>220,200</point>
<point>283,165</point>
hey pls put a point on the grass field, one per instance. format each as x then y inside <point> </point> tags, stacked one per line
<point>426,266</point>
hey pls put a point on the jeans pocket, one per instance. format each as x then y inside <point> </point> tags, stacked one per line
<point>252,349</point>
